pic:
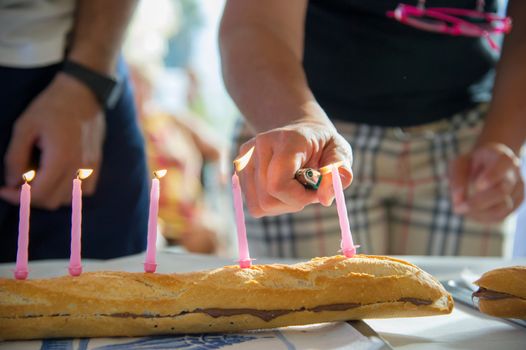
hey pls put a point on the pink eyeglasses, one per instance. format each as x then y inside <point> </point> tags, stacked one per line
<point>453,21</point>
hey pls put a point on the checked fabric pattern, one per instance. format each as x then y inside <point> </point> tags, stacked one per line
<point>398,203</point>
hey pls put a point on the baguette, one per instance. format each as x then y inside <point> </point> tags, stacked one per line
<point>502,292</point>
<point>227,299</point>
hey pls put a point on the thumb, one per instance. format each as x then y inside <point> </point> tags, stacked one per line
<point>18,155</point>
<point>326,191</point>
<point>459,175</point>
<point>10,195</point>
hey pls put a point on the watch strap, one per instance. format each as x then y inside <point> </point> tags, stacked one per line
<point>107,90</point>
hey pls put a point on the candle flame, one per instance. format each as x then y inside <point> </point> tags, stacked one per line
<point>160,173</point>
<point>84,173</point>
<point>29,176</point>
<point>328,168</point>
<point>241,162</point>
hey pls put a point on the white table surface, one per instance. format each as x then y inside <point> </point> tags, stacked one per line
<point>465,328</point>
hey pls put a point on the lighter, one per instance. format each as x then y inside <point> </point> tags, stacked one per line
<point>309,178</point>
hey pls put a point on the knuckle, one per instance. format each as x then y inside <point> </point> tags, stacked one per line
<point>274,188</point>
<point>501,215</point>
<point>255,211</point>
<point>503,188</point>
<point>48,204</point>
<point>245,147</point>
<point>267,203</point>
<point>261,140</point>
<point>20,127</point>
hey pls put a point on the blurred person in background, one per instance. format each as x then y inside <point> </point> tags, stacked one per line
<point>67,104</point>
<point>159,48</point>
<point>181,146</point>
<point>436,135</point>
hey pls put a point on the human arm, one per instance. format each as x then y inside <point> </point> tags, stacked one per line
<point>262,52</point>
<point>492,168</point>
<point>65,121</point>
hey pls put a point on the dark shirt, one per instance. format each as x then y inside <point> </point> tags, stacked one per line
<point>364,67</point>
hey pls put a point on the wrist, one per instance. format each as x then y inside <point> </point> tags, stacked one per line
<point>500,148</point>
<point>65,82</point>
<point>307,113</point>
<point>66,85</point>
<point>104,88</point>
<point>489,139</point>
<point>96,60</point>
<point>504,124</point>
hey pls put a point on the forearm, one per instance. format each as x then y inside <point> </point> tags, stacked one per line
<point>506,119</point>
<point>265,77</point>
<point>99,29</point>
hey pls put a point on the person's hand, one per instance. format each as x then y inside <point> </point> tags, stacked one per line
<point>268,178</point>
<point>66,123</point>
<point>486,184</point>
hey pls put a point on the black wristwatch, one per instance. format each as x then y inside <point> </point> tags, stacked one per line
<point>106,89</point>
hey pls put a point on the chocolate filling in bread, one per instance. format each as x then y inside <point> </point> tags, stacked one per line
<point>265,315</point>
<point>487,294</point>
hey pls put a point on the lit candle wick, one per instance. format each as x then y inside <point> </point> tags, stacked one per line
<point>75,260</point>
<point>21,269</point>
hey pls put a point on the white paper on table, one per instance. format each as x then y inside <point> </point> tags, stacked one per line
<point>338,336</point>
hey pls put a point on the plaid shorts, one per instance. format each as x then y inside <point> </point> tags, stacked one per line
<point>398,203</point>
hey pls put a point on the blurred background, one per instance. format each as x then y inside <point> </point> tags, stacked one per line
<point>187,119</point>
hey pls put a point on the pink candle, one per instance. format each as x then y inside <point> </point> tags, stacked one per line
<point>244,255</point>
<point>347,245</point>
<point>150,264</point>
<point>75,263</point>
<point>21,271</point>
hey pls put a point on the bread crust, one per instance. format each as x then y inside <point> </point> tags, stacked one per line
<point>133,304</point>
<point>507,308</point>
<point>511,282</point>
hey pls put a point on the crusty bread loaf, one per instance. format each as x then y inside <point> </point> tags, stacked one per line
<point>502,292</point>
<point>221,300</point>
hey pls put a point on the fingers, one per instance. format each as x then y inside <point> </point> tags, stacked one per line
<point>459,176</point>
<point>18,155</point>
<point>497,185</point>
<point>267,203</point>
<point>495,168</point>
<point>483,200</point>
<point>249,182</point>
<point>501,206</point>
<point>93,135</point>
<point>326,191</point>
<point>48,189</point>
<point>340,153</point>
<point>268,179</point>
<point>10,195</point>
<point>281,181</point>
<point>51,187</point>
